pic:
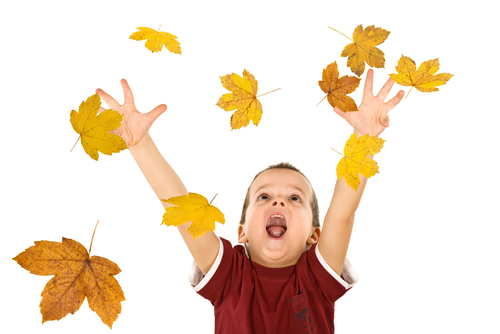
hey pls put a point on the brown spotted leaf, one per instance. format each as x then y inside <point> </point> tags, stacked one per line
<point>76,276</point>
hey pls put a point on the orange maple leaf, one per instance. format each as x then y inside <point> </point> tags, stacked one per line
<point>336,89</point>
<point>76,276</point>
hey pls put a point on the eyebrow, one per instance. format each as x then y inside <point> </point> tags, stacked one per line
<point>291,185</point>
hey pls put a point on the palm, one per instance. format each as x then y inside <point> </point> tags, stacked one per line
<point>372,115</point>
<point>135,125</point>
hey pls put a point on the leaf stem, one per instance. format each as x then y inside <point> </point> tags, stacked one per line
<point>75,144</point>
<point>267,93</point>
<point>340,33</point>
<point>322,101</point>
<point>337,151</point>
<point>409,92</point>
<point>213,199</point>
<point>91,241</point>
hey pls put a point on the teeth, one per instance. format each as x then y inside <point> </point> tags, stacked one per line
<point>275,216</point>
<point>281,223</point>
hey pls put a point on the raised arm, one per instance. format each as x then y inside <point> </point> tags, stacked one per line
<point>372,118</point>
<point>160,175</point>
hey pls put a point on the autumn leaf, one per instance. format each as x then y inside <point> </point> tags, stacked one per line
<point>355,160</point>
<point>336,89</point>
<point>194,208</point>
<point>422,79</point>
<point>243,97</point>
<point>156,39</point>
<point>362,49</point>
<point>76,276</point>
<point>94,129</point>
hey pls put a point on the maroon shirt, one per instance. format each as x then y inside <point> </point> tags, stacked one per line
<point>250,298</point>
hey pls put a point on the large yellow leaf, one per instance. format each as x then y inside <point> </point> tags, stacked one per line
<point>76,276</point>
<point>422,79</point>
<point>194,208</point>
<point>243,98</point>
<point>156,39</point>
<point>363,48</point>
<point>355,160</point>
<point>336,89</point>
<point>94,129</point>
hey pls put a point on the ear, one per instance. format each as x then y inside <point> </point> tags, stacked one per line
<point>314,237</point>
<point>242,237</point>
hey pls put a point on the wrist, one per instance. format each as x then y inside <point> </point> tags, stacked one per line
<point>141,144</point>
<point>361,133</point>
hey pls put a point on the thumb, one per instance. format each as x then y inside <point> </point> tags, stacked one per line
<point>156,112</point>
<point>385,121</point>
<point>339,112</point>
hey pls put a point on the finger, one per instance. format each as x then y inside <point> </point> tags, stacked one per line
<point>339,112</point>
<point>386,89</point>
<point>155,113</point>
<point>110,101</point>
<point>101,109</point>
<point>127,92</point>
<point>395,100</point>
<point>368,89</point>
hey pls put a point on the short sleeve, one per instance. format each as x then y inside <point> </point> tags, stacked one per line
<point>319,279</point>
<point>348,278</point>
<point>227,268</point>
<point>196,277</point>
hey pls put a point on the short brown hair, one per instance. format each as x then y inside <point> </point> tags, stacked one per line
<point>285,165</point>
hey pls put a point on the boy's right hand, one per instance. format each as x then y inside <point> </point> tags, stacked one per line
<point>135,125</point>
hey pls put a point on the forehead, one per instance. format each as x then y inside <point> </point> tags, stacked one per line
<point>281,177</point>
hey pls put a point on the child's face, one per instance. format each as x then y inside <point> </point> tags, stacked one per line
<point>278,222</point>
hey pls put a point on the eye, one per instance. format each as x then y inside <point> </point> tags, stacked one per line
<point>263,196</point>
<point>295,198</point>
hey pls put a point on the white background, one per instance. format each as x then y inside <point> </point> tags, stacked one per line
<point>425,242</point>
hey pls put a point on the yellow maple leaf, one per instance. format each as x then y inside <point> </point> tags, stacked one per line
<point>194,208</point>
<point>355,160</point>
<point>94,129</point>
<point>243,98</point>
<point>363,48</point>
<point>422,79</point>
<point>336,89</point>
<point>156,39</point>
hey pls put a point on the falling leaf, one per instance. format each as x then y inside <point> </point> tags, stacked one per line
<point>243,97</point>
<point>76,276</point>
<point>94,129</point>
<point>336,89</point>
<point>422,79</point>
<point>362,49</point>
<point>156,39</point>
<point>194,208</point>
<point>355,160</point>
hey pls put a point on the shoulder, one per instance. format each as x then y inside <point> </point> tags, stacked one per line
<point>227,258</point>
<point>315,266</point>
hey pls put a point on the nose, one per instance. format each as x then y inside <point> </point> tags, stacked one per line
<point>278,202</point>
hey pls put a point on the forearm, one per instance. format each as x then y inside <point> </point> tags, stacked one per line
<point>160,175</point>
<point>345,201</point>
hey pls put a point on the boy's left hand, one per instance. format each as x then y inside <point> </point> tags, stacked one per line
<point>372,116</point>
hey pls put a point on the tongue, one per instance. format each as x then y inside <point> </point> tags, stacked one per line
<point>276,231</point>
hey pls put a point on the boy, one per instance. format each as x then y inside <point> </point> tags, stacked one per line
<point>289,280</point>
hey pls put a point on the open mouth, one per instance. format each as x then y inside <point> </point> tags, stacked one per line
<point>276,226</point>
